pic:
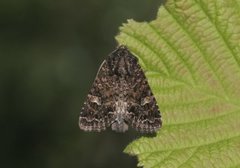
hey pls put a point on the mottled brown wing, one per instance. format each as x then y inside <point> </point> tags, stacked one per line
<point>120,96</point>
<point>144,112</point>
<point>94,114</point>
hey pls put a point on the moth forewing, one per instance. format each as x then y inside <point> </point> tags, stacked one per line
<point>120,96</point>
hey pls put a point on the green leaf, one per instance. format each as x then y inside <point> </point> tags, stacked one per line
<point>191,55</point>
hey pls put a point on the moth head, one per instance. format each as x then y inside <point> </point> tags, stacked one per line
<point>121,61</point>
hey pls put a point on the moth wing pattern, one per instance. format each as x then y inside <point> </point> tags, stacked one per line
<point>144,110</point>
<point>120,97</point>
<point>93,115</point>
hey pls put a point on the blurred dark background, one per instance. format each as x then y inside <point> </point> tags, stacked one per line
<point>50,52</point>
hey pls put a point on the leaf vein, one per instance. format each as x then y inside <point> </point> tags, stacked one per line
<point>180,56</point>
<point>150,48</point>
<point>220,34</point>
<point>199,49</point>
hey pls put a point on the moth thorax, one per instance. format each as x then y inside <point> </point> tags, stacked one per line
<point>119,123</point>
<point>122,67</point>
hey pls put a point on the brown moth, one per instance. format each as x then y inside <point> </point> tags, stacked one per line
<point>120,97</point>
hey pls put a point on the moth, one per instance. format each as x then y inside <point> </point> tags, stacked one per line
<point>120,97</point>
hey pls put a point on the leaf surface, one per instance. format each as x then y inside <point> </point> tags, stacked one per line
<point>191,55</point>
